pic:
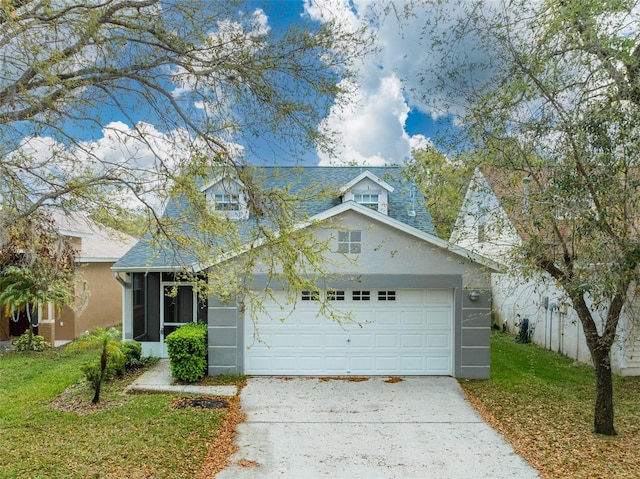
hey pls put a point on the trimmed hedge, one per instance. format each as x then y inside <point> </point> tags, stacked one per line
<point>187,348</point>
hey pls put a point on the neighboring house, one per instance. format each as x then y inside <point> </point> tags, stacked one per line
<point>98,295</point>
<point>487,228</point>
<point>420,305</point>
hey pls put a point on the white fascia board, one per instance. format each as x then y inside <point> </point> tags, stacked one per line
<point>89,259</point>
<point>362,176</point>
<point>153,269</point>
<point>75,234</point>
<point>218,180</point>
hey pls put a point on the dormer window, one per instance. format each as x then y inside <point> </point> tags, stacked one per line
<point>226,202</point>
<point>227,197</point>
<point>370,200</point>
<point>368,190</point>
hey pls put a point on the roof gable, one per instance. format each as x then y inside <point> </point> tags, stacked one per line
<point>360,179</point>
<point>318,190</point>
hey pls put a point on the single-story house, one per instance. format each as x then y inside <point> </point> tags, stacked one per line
<point>99,296</point>
<point>488,228</point>
<point>417,304</point>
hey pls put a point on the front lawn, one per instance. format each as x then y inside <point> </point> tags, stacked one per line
<point>543,404</point>
<point>47,434</point>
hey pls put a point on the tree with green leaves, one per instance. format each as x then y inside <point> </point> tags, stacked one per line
<point>443,182</point>
<point>195,87</point>
<point>37,268</point>
<point>194,84</point>
<point>555,99</point>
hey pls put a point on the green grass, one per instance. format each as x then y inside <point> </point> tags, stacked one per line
<point>137,436</point>
<point>544,404</point>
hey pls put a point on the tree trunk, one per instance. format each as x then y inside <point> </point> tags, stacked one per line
<point>603,417</point>
<point>600,349</point>
<point>96,395</point>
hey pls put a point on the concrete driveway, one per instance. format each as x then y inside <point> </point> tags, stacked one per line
<point>421,427</point>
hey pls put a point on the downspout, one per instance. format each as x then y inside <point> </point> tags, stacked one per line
<point>552,306</point>
<point>120,280</point>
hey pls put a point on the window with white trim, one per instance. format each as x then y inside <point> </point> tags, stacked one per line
<point>226,202</point>
<point>386,295</point>
<point>361,295</point>
<point>349,242</point>
<point>370,200</point>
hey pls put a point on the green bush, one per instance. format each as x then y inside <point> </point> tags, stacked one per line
<point>187,348</point>
<point>132,353</point>
<point>30,342</point>
<point>94,374</point>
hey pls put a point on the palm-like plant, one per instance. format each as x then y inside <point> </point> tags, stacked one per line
<point>111,355</point>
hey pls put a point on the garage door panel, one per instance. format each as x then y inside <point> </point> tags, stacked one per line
<point>435,296</point>
<point>441,341</point>
<point>387,318</point>
<point>335,340</point>
<point>411,296</point>
<point>412,341</point>
<point>332,365</point>
<point>280,340</point>
<point>407,336</point>
<point>438,319</point>
<point>438,364</point>
<point>310,341</point>
<point>412,318</point>
<point>387,341</point>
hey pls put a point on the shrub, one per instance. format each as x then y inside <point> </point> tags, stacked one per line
<point>30,342</point>
<point>187,348</point>
<point>132,353</point>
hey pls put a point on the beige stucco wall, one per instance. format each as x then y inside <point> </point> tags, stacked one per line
<point>103,305</point>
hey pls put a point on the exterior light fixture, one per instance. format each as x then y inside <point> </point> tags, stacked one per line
<point>474,295</point>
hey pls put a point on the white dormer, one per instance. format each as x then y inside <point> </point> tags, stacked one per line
<point>226,195</point>
<point>368,190</point>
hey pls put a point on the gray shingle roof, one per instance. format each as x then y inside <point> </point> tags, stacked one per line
<point>302,181</point>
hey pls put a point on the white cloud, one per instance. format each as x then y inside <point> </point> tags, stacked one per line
<point>372,126</point>
<point>395,79</point>
<point>141,156</point>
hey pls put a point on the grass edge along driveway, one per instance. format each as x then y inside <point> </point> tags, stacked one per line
<point>543,404</point>
<point>136,436</point>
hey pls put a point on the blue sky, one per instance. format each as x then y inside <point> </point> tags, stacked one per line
<point>383,121</point>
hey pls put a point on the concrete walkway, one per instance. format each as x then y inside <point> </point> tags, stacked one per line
<point>421,427</point>
<point>158,379</point>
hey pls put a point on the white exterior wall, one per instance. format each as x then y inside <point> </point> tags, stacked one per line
<point>515,298</point>
<point>481,206</point>
<point>385,250</point>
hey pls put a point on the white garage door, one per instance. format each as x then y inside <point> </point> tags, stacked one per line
<point>398,332</point>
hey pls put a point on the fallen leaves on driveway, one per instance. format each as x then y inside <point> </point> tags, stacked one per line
<point>223,446</point>
<point>352,379</point>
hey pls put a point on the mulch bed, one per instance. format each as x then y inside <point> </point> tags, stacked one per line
<point>200,402</point>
